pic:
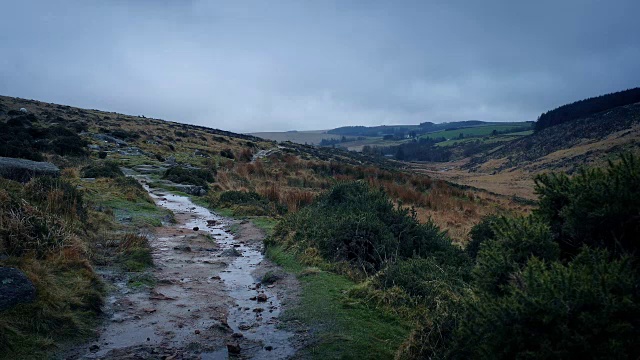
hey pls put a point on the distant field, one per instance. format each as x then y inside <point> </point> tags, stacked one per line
<point>487,140</point>
<point>475,131</point>
<point>357,145</point>
<point>300,137</point>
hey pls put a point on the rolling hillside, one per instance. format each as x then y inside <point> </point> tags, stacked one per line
<point>508,167</point>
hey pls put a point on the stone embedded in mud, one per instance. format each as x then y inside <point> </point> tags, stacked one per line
<point>233,348</point>
<point>258,310</point>
<point>94,348</point>
<point>195,228</point>
<point>182,248</point>
<point>231,252</point>
<point>237,335</point>
<point>262,297</point>
<point>268,348</point>
<point>197,332</point>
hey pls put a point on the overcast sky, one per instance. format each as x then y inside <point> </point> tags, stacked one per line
<point>281,65</point>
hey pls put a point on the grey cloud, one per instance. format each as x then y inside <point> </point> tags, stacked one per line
<point>259,66</point>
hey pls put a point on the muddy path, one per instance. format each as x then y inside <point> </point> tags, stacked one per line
<point>207,301</point>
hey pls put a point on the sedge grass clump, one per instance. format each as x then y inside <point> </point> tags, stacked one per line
<point>102,169</point>
<point>39,218</point>
<point>135,253</point>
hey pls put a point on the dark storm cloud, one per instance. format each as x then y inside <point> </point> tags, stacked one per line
<point>279,65</point>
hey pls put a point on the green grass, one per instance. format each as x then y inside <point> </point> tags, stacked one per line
<point>474,131</point>
<point>265,223</point>
<point>343,328</point>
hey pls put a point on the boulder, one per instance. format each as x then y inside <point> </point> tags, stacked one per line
<point>15,288</point>
<point>109,139</point>
<point>23,170</point>
<point>191,189</point>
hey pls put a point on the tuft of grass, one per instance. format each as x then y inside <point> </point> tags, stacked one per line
<point>135,253</point>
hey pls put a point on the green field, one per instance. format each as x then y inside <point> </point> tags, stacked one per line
<point>487,139</point>
<point>475,131</point>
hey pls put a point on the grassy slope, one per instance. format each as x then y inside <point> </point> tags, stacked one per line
<point>343,329</point>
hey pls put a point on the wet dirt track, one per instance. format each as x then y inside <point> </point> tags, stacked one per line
<point>206,303</point>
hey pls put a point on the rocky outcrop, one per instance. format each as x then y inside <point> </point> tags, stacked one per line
<point>22,170</point>
<point>109,139</point>
<point>15,288</point>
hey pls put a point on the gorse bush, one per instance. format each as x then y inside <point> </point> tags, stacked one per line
<point>360,225</point>
<point>585,309</point>
<point>561,283</point>
<point>245,203</point>
<point>23,137</point>
<point>596,207</point>
<point>182,175</point>
<point>516,240</point>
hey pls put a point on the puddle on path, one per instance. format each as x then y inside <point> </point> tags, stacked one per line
<point>256,309</point>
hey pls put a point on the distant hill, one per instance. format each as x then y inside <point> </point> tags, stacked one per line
<point>509,167</point>
<point>582,138</point>
<point>587,107</point>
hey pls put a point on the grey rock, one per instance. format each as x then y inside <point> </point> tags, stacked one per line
<point>150,169</point>
<point>171,161</point>
<point>231,252</point>
<point>109,139</point>
<point>191,189</point>
<point>15,288</point>
<point>23,170</point>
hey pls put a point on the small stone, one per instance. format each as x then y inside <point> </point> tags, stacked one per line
<point>195,228</point>
<point>94,348</point>
<point>197,332</point>
<point>233,348</point>
<point>268,347</point>
<point>258,310</point>
<point>237,335</point>
<point>262,297</point>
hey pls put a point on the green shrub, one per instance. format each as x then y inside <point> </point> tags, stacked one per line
<point>240,198</point>
<point>102,169</point>
<point>429,280</point>
<point>480,233</point>
<point>516,240</point>
<point>360,225</point>
<point>182,175</point>
<point>596,207</point>
<point>586,309</point>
